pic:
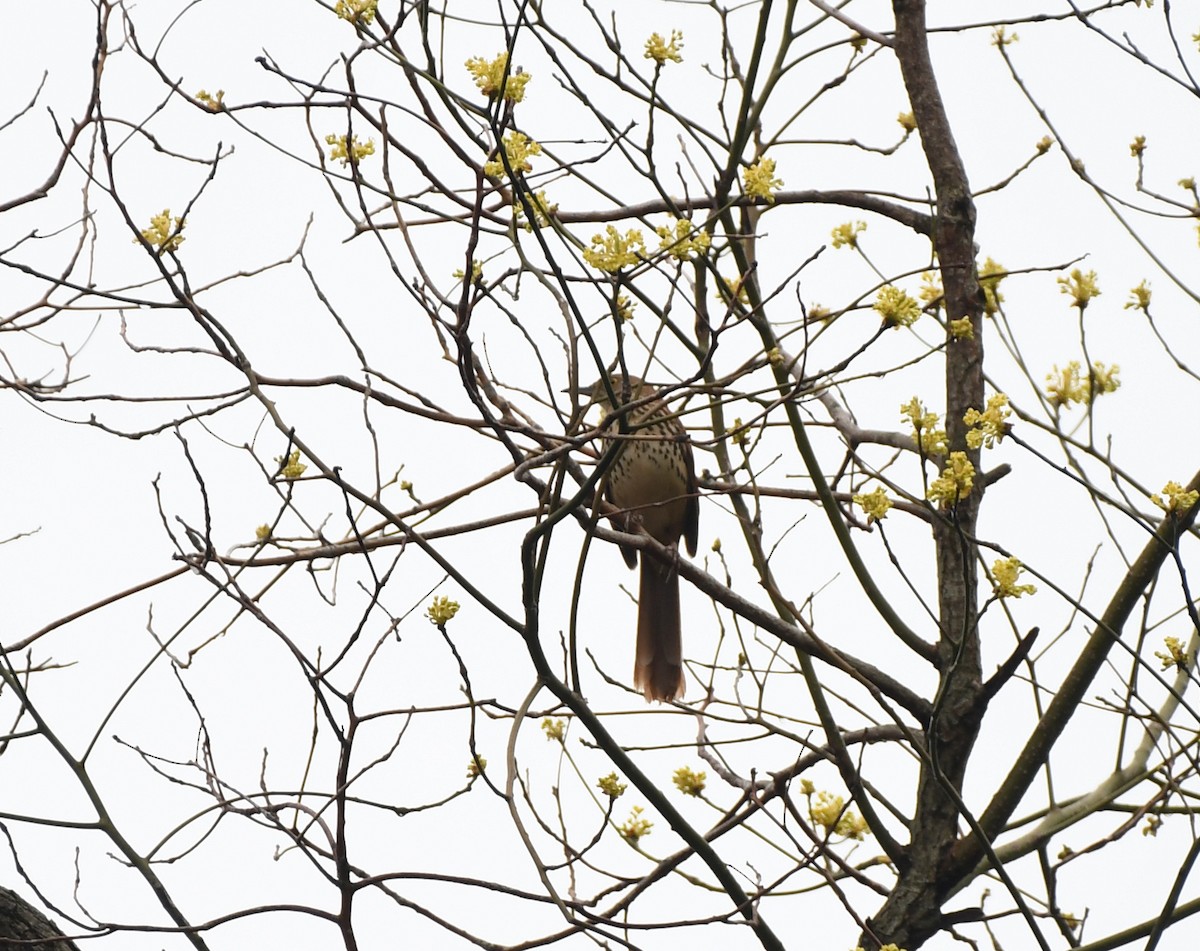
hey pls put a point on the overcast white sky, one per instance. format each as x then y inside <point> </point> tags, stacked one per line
<point>89,499</point>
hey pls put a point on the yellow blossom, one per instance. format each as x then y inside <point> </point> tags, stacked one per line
<point>990,276</point>
<point>1153,824</point>
<point>1139,298</point>
<point>875,504</point>
<point>1176,655</point>
<point>926,432</point>
<point>774,357</point>
<point>555,730</point>
<point>292,467</point>
<point>733,290</point>
<point>1001,38</point>
<point>1137,146</point>
<point>908,122</point>
<point>612,787</point>
<point>356,11</point>
<point>989,426</point>
<point>612,251</point>
<point>1005,572</point>
<point>739,432</point>
<point>760,181</point>
<point>1178,499</point>
<point>955,482</point>
<point>520,149</point>
<point>1082,287</point>
<point>846,235</point>
<point>1188,183</point>
<point>476,277</point>
<point>962,329</point>
<point>543,210</point>
<point>1043,145</point>
<point>635,826</point>
<point>262,533</point>
<point>163,235</point>
<point>489,76</point>
<point>830,812</point>
<point>476,767</point>
<point>931,291</point>
<point>688,782</point>
<point>681,240</point>
<point>214,103</point>
<point>1104,379</point>
<point>1072,385</point>
<point>341,151</point>
<point>661,50</point>
<point>441,609</point>
<point>896,307</point>
<point>625,307</point>
<point>820,312</point>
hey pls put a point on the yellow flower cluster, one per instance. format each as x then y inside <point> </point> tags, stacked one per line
<point>846,235</point>
<point>635,826</point>
<point>661,50</point>
<point>555,730</point>
<point>214,103</point>
<point>543,208</point>
<point>519,149</point>
<point>343,151</point>
<point>1139,298</point>
<point>1082,287</point>
<point>490,78</point>
<point>356,11</point>
<point>1176,655</point>
<point>955,482</point>
<point>830,812</point>
<point>733,290</point>
<point>990,276</point>
<point>931,291</point>
<point>688,782</point>
<point>681,240</point>
<point>961,329</point>
<point>441,609</point>
<point>929,437</point>
<point>760,181</point>
<point>1178,499</point>
<point>1002,38</point>
<point>988,427</point>
<point>292,467</point>
<point>896,307</point>
<point>1137,146</point>
<point>476,767</point>
<point>476,277</point>
<point>875,504</point>
<point>1072,385</point>
<point>163,235</point>
<point>612,787</point>
<point>612,251</point>
<point>1005,572</point>
<point>262,533</point>
<point>908,122</point>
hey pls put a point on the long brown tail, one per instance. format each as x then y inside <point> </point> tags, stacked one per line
<point>658,670</point>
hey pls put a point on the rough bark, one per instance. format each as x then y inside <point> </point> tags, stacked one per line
<point>913,911</point>
<point>23,926</point>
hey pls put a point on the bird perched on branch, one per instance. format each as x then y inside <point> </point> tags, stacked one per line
<point>652,481</point>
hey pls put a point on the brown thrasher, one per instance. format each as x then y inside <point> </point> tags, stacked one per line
<point>653,482</point>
